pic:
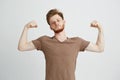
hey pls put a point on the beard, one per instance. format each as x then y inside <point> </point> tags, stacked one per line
<point>58,30</point>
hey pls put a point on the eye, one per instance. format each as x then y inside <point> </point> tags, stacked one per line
<point>58,20</point>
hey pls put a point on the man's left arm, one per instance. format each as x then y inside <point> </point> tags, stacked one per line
<point>99,45</point>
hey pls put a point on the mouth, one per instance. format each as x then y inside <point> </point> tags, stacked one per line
<point>58,29</point>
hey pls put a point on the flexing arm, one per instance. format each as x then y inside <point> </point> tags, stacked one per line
<point>23,44</point>
<point>99,46</point>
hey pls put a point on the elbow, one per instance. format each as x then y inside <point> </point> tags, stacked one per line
<point>20,49</point>
<point>100,50</point>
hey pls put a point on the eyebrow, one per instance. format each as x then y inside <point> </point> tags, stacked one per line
<point>57,19</point>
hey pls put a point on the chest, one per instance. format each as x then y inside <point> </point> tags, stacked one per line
<point>54,48</point>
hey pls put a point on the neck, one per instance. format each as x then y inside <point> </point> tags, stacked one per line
<point>61,36</point>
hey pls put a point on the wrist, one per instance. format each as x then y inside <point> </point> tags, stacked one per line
<point>99,28</point>
<point>26,27</point>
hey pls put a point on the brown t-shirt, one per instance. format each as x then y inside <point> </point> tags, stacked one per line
<point>60,56</point>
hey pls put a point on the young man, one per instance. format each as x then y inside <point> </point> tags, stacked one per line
<point>60,51</point>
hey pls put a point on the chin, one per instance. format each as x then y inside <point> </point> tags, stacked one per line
<point>59,30</point>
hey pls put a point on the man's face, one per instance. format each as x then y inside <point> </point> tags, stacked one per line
<point>57,23</point>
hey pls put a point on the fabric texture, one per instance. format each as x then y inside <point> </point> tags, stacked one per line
<point>60,56</point>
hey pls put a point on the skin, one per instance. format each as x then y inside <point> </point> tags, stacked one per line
<point>57,24</point>
<point>99,45</point>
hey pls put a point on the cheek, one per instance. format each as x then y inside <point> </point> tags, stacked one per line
<point>52,27</point>
<point>63,22</point>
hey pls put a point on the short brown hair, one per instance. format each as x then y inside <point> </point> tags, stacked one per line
<point>53,12</point>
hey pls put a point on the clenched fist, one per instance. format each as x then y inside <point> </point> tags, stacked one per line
<point>95,24</point>
<point>31,24</point>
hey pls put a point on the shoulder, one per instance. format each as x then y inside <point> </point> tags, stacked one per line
<point>79,39</point>
<point>44,37</point>
<point>75,38</point>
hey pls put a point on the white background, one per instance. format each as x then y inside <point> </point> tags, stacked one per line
<point>14,14</point>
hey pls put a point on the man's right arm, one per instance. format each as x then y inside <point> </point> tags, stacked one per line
<point>23,44</point>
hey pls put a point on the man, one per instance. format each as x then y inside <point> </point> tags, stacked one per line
<point>60,51</point>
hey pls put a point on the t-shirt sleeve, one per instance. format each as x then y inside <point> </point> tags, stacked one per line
<point>83,44</point>
<point>37,43</point>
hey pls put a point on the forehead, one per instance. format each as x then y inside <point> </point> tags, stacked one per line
<point>55,17</point>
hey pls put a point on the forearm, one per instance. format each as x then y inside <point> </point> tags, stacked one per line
<point>100,39</point>
<point>23,38</point>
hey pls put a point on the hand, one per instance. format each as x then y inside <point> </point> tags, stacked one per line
<point>31,24</point>
<point>95,24</point>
